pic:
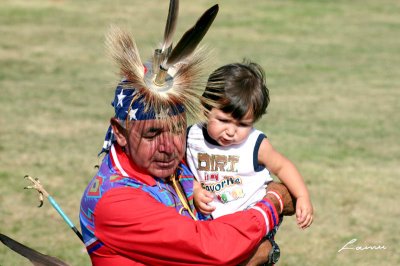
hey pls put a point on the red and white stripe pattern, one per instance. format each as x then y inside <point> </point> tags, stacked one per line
<point>268,211</point>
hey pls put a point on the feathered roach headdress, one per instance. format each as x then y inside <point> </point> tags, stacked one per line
<point>171,83</point>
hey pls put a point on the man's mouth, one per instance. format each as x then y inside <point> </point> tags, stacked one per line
<point>166,163</point>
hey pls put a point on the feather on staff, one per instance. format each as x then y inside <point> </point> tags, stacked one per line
<point>37,258</point>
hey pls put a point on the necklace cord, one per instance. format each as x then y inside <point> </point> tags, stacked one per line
<point>181,196</point>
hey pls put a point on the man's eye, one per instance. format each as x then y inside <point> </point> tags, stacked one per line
<point>150,136</point>
<point>152,133</point>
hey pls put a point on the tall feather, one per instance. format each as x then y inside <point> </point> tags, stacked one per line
<point>171,24</point>
<point>37,258</point>
<point>192,37</point>
<point>124,51</point>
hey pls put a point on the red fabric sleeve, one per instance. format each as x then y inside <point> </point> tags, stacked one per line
<point>135,225</point>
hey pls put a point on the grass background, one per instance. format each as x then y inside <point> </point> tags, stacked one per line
<point>333,73</point>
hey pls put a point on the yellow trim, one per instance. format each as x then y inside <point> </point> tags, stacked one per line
<point>182,197</point>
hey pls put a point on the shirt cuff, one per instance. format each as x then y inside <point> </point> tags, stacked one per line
<point>268,211</point>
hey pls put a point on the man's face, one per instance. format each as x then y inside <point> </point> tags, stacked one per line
<point>156,146</point>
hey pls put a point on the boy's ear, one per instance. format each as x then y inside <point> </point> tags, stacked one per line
<point>119,132</point>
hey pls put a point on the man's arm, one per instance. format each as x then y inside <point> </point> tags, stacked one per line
<point>135,225</point>
<point>277,192</point>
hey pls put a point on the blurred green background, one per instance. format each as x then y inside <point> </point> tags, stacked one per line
<point>333,70</point>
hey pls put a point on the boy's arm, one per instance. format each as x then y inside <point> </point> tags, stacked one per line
<point>287,172</point>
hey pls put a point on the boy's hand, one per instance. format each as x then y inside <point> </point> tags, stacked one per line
<point>201,199</point>
<point>304,212</point>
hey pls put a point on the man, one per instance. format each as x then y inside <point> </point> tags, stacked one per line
<point>138,209</point>
<point>134,212</point>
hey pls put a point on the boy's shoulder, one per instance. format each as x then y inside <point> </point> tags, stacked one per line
<point>195,129</point>
<point>257,132</point>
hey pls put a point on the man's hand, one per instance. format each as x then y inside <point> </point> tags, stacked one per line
<point>289,202</point>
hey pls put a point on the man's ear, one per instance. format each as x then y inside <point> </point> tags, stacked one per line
<point>119,132</point>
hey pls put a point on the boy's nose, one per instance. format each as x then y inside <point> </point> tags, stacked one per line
<point>230,131</point>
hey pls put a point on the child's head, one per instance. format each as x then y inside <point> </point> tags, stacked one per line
<point>238,89</point>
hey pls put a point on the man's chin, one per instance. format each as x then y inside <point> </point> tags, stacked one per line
<point>164,170</point>
<point>163,173</point>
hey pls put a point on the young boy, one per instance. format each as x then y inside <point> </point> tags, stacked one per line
<point>229,158</point>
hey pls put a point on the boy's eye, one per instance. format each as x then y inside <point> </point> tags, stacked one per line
<point>224,120</point>
<point>244,124</point>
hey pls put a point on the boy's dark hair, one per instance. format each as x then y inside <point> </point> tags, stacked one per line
<point>237,89</point>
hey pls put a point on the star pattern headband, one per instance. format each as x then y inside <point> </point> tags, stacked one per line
<point>129,106</point>
<point>171,82</point>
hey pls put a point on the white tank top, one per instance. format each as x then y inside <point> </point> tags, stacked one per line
<point>231,173</point>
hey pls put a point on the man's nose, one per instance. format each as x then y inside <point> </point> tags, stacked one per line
<point>166,143</point>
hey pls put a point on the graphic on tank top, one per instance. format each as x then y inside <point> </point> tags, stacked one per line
<point>221,176</point>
